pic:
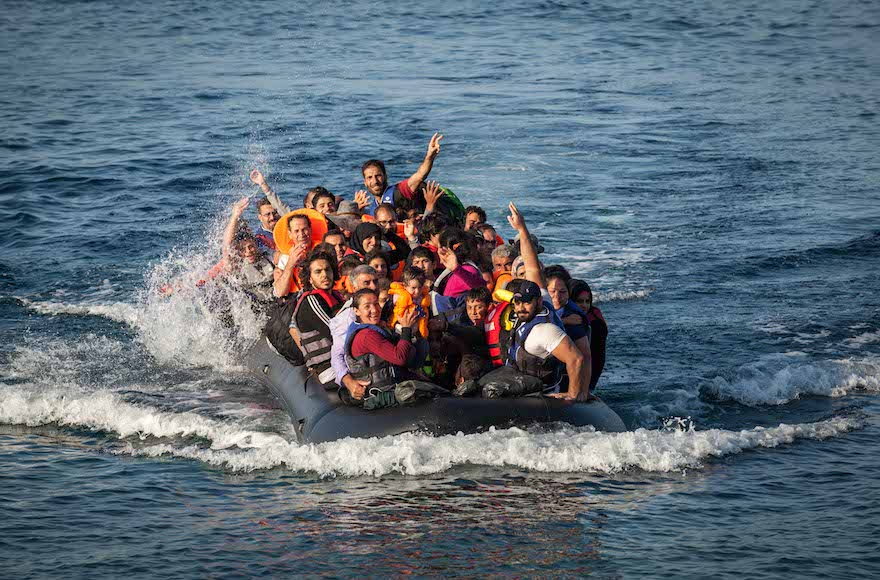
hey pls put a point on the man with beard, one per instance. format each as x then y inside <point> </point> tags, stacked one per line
<point>376,181</point>
<point>539,345</point>
<point>313,313</point>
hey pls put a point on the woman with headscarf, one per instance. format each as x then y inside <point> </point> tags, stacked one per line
<point>580,292</point>
<point>368,237</point>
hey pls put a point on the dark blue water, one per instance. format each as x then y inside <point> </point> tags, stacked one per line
<point>712,170</point>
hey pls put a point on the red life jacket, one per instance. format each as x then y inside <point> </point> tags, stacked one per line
<point>496,334</point>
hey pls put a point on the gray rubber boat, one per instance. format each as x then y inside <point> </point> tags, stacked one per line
<point>319,416</point>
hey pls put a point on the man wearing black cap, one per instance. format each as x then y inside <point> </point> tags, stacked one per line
<point>539,345</point>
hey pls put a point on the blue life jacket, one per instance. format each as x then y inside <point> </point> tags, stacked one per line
<point>386,197</point>
<point>549,370</point>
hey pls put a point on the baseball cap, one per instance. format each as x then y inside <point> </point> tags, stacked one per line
<point>527,292</point>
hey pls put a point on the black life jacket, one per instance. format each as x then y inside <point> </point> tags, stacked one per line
<point>549,370</point>
<point>314,333</point>
<point>278,330</point>
<point>382,374</point>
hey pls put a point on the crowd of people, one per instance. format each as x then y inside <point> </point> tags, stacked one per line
<point>404,282</point>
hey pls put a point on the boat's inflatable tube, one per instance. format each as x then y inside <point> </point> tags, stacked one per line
<point>319,416</point>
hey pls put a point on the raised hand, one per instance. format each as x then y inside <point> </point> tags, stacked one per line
<point>409,229</point>
<point>515,218</point>
<point>239,207</point>
<point>432,194</point>
<point>297,254</point>
<point>257,178</point>
<point>434,146</point>
<point>362,199</point>
<point>447,258</point>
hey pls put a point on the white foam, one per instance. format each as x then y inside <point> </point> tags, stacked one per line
<point>105,411</point>
<point>776,380</point>
<point>232,446</point>
<point>622,295</point>
<point>118,311</point>
<point>861,340</point>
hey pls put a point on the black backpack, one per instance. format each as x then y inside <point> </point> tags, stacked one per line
<point>278,329</point>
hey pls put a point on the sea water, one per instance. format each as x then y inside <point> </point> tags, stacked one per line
<point>711,169</point>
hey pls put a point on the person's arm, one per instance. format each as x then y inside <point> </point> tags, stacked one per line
<point>526,249</point>
<point>258,179</point>
<point>371,341</point>
<point>281,285</point>
<point>425,168</point>
<point>578,369</point>
<point>229,233</point>
<point>409,230</point>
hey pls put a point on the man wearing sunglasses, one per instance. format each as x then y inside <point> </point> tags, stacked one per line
<point>268,218</point>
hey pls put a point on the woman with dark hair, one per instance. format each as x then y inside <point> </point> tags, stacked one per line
<point>369,237</point>
<point>461,273</point>
<point>582,295</point>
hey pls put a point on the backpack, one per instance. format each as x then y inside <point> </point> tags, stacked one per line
<point>278,329</point>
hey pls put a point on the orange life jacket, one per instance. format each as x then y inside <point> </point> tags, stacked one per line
<point>402,301</point>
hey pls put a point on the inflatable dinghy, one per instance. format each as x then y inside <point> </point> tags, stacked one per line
<point>319,416</point>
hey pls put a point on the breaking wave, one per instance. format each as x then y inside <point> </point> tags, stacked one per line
<point>776,380</point>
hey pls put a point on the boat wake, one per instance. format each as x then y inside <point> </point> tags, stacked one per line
<point>139,430</point>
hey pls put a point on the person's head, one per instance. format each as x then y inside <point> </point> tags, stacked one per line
<point>413,279</point>
<point>349,264</point>
<point>477,301</point>
<point>423,259</point>
<point>299,228</point>
<point>379,261</point>
<point>386,218</point>
<point>557,270</point>
<point>502,258</point>
<point>557,289</point>
<point>318,271</point>
<point>474,216</point>
<point>472,367</point>
<point>431,227</point>
<point>526,301</point>
<point>366,238</point>
<point>267,214</point>
<point>364,276</point>
<point>458,242</point>
<point>518,268</point>
<point>489,234</point>
<point>336,239</point>
<point>247,248</point>
<point>375,179</point>
<point>581,293</point>
<point>310,196</point>
<point>384,288</point>
<point>324,202</point>
<point>366,306</point>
